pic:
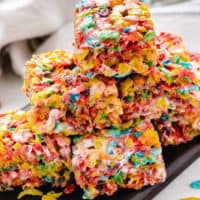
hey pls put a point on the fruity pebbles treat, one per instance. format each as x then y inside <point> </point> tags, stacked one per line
<point>118,158</point>
<point>29,159</point>
<point>44,84</point>
<point>180,75</point>
<point>114,37</point>
<point>68,101</point>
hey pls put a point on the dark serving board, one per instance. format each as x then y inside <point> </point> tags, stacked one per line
<point>176,160</point>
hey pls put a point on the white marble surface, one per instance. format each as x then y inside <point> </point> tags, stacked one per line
<point>180,187</point>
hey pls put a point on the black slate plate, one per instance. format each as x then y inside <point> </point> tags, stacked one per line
<point>176,160</point>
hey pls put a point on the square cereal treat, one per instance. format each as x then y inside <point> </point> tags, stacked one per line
<point>114,37</point>
<point>29,159</point>
<point>69,102</point>
<point>118,158</point>
<point>180,75</point>
<point>181,123</point>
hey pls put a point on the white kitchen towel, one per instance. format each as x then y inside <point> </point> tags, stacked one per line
<point>26,19</point>
<point>20,51</point>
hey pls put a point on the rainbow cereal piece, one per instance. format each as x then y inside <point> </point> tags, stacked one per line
<point>114,37</point>
<point>113,158</point>
<point>29,159</point>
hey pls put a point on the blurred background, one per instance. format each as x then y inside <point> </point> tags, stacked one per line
<point>34,26</point>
